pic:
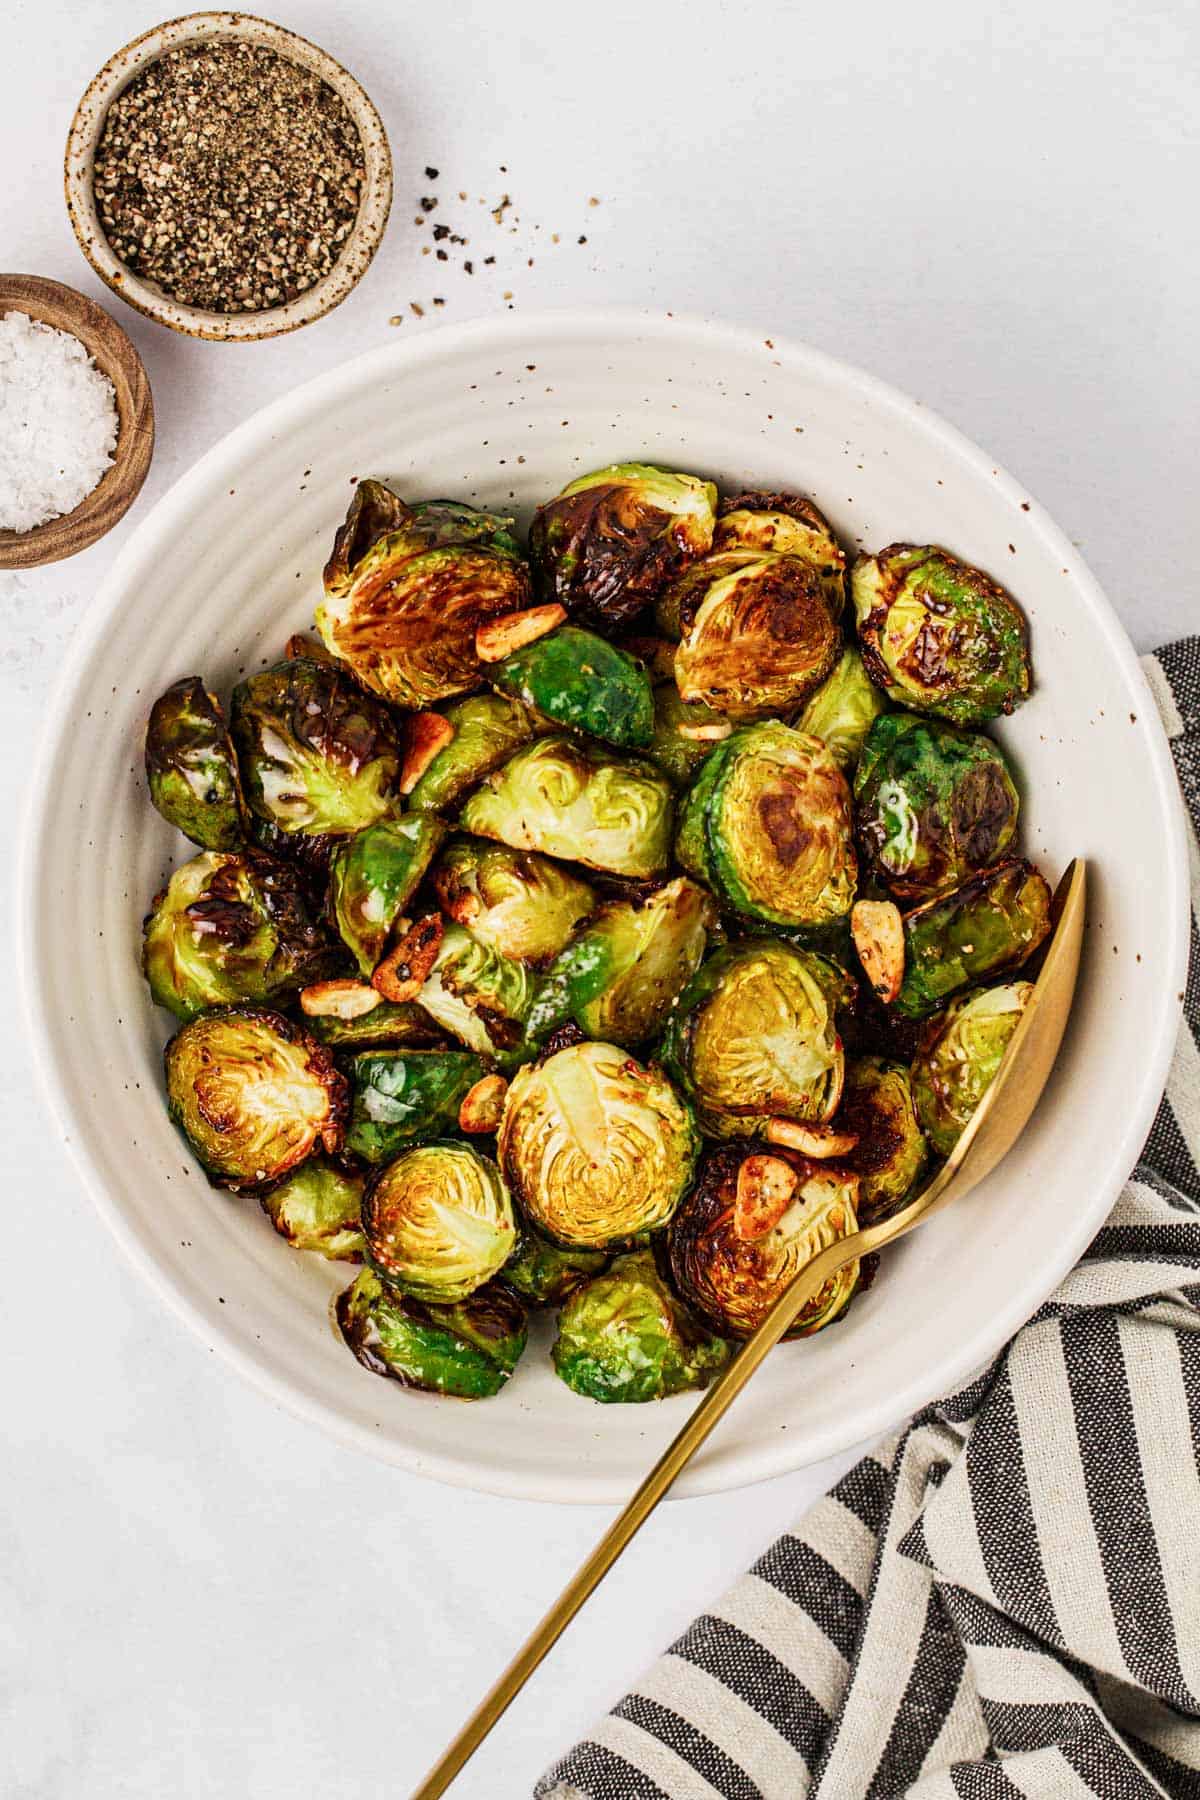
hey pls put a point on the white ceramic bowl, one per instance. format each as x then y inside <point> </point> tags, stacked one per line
<point>228,564</point>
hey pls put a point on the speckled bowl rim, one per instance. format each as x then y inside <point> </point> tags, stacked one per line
<point>194,321</point>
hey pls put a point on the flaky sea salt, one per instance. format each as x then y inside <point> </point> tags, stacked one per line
<point>58,422</point>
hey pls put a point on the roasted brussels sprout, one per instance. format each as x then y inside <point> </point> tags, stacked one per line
<point>467,1350</point>
<point>316,1207</point>
<point>389,1026</point>
<point>757,633</point>
<point>191,768</point>
<point>890,1154</point>
<point>933,805</point>
<point>254,1095</point>
<point>438,1221</point>
<point>767,825</point>
<point>608,544</point>
<point>961,1052</point>
<point>993,922</point>
<point>790,525</point>
<point>541,1273</point>
<point>843,710</point>
<point>228,928</point>
<point>400,1095</point>
<point>731,1264</point>
<point>477,995</point>
<point>582,682</point>
<point>515,901</point>
<point>406,588</point>
<point>940,636</point>
<point>623,1336</point>
<point>753,1036</point>
<point>374,875</point>
<point>597,1148</point>
<point>569,798</point>
<point>683,735</point>
<point>618,978</point>
<point>487,729</point>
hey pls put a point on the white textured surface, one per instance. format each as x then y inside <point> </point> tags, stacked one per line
<point>204,1597</point>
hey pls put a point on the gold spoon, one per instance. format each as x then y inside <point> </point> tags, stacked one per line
<point>998,1121</point>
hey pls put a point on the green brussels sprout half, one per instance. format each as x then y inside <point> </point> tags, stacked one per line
<point>541,1273</point>
<point>374,875</point>
<point>254,1095</point>
<point>993,922</point>
<point>677,752</point>
<point>478,996</point>
<point>407,586</point>
<point>582,682</point>
<point>731,1269</point>
<point>467,1350</point>
<point>789,525</point>
<point>317,1207</point>
<point>191,768</point>
<point>619,977</point>
<point>516,902</point>
<point>753,1036</point>
<point>228,928</point>
<point>608,544</point>
<point>933,805</point>
<point>597,1148</point>
<point>843,710</point>
<point>399,1095</point>
<point>572,799</point>
<point>623,1336</point>
<point>767,825</point>
<point>388,1026</point>
<point>958,1059</point>
<point>891,1153</point>
<point>487,729</point>
<point>940,636</point>
<point>438,1221</point>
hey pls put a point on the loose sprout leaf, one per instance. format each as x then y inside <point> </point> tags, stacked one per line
<point>624,1337</point>
<point>438,1221</point>
<point>487,728</point>
<point>191,768</point>
<point>317,1208</point>
<point>374,875</point>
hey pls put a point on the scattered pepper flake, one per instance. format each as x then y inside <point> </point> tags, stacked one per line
<point>428,202</point>
<point>431,174</point>
<point>439,300</point>
<point>593,200</point>
<point>417,308</point>
<point>583,238</point>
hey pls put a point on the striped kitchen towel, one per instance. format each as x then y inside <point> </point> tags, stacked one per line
<point>1003,1601</point>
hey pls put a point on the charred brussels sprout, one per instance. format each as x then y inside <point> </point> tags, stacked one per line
<point>994,921</point>
<point>478,996</point>
<point>541,1273</point>
<point>757,633</point>
<point>959,1057</point>
<point>438,1222</point>
<point>618,978</point>
<point>254,1095</point>
<point>467,1350</point>
<point>487,729</point>
<point>843,710</point>
<point>374,875</point>
<point>624,1336</point>
<point>608,544</point>
<point>572,799</point>
<point>767,825</point>
<point>583,682</point>
<point>731,1266</point>
<point>191,768</point>
<point>406,588</point>
<point>877,1108</point>
<point>597,1148</point>
<point>317,1208</point>
<point>940,636</point>
<point>230,928</point>
<point>753,1036</point>
<point>933,805</point>
<point>515,901</point>
<point>789,525</point>
<point>388,1026</point>
<point>400,1095</point>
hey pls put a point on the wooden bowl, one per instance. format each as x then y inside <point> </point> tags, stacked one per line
<point>55,304</point>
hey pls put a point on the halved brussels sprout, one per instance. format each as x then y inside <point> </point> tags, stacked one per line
<point>790,525</point>
<point>731,1279</point>
<point>623,1336</point>
<point>228,928</point>
<point>940,636</point>
<point>406,588</point>
<point>190,766</point>
<point>608,544</point>
<point>319,758</point>
<point>478,996</point>
<point>438,1221</point>
<point>617,980</point>
<point>487,729</point>
<point>753,1036</point>
<point>767,824</point>
<point>515,901</point>
<point>683,735</point>
<point>584,683</point>
<point>254,1095</point>
<point>933,805</point>
<point>891,1153</point>
<point>961,1052</point>
<point>467,1350</point>
<point>597,1148</point>
<point>572,799</point>
<point>541,1273</point>
<point>993,922</point>
<point>317,1208</point>
<point>400,1095</point>
<point>843,710</point>
<point>374,875</point>
<point>757,633</point>
<point>389,1026</point>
